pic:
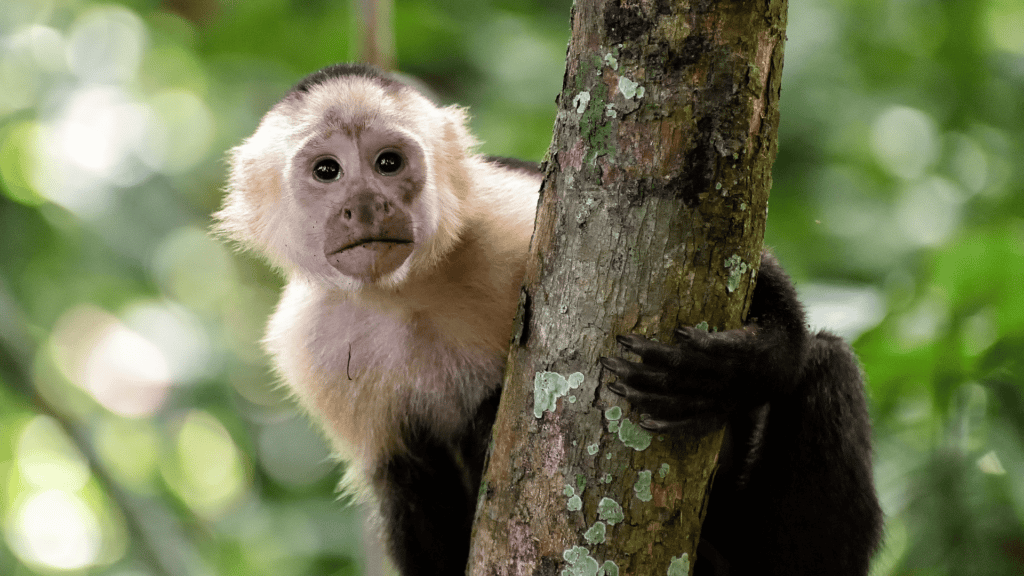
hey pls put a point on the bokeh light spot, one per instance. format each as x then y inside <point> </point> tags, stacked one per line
<point>55,529</point>
<point>929,210</point>
<point>179,335</point>
<point>211,476</point>
<point>130,449</point>
<point>179,134</point>
<point>18,156</point>
<point>46,458</point>
<point>106,44</point>
<point>904,141</point>
<point>123,371</point>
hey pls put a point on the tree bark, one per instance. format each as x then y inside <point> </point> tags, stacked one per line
<point>651,216</point>
<point>373,33</point>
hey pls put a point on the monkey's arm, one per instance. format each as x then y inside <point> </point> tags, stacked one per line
<point>426,513</point>
<point>705,378</point>
<point>794,494</point>
<point>428,495</point>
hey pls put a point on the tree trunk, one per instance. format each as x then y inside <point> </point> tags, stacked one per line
<point>373,33</point>
<point>651,216</point>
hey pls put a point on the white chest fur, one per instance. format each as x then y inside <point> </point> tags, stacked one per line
<point>366,374</point>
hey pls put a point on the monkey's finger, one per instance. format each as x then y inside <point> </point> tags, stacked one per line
<point>697,425</point>
<point>672,383</point>
<point>637,375</point>
<point>695,349</point>
<point>665,407</point>
<point>651,351</point>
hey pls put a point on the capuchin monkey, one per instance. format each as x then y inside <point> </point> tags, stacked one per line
<point>404,252</point>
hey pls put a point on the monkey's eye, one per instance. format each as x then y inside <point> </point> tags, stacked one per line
<point>389,163</point>
<point>326,170</point>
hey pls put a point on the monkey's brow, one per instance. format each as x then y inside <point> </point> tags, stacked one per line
<point>332,122</point>
<point>353,116</point>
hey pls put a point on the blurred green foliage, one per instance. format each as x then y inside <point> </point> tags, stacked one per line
<point>141,432</point>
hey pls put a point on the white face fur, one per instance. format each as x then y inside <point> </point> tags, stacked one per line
<point>341,183</point>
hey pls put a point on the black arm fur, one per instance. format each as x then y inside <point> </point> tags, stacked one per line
<point>428,496</point>
<point>794,494</point>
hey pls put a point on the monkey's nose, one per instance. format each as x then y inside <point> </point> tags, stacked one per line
<point>366,208</point>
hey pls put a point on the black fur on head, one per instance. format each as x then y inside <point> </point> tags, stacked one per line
<point>341,70</point>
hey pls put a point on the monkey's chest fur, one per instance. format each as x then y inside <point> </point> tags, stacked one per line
<point>369,374</point>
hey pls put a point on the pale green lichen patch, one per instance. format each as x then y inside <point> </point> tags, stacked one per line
<point>613,414</point>
<point>607,478</point>
<point>663,470</point>
<point>580,102</point>
<point>679,566</point>
<point>575,503</point>
<point>580,562</point>
<point>703,325</point>
<point>548,387</point>
<point>633,436</point>
<point>609,568</point>
<point>611,61</point>
<point>630,89</point>
<point>737,268</point>
<point>581,483</point>
<point>596,533</point>
<point>642,487</point>
<point>593,448</point>
<point>610,511</point>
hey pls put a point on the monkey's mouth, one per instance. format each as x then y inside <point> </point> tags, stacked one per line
<point>372,243</point>
<point>370,258</point>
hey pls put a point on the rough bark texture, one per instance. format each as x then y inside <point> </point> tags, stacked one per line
<point>651,216</point>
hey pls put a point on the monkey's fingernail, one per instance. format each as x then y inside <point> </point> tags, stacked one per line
<point>630,341</point>
<point>616,365</point>
<point>616,388</point>
<point>651,425</point>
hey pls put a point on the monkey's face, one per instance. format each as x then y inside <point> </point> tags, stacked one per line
<point>359,186</point>
<point>351,182</point>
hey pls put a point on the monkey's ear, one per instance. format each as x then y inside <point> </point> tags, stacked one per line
<point>456,130</point>
<point>253,209</point>
<point>455,145</point>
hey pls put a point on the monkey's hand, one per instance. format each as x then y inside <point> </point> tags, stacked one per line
<point>704,378</point>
